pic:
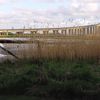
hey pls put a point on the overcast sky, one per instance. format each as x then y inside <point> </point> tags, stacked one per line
<point>48,13</point>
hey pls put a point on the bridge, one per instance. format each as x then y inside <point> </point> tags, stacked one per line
<point>79,30</point>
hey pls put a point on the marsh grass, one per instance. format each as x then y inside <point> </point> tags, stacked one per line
<point>59,49</point>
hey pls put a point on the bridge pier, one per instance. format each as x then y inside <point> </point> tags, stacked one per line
<point>45,31</point>
<point>81,30</point>
<point>34,32</point>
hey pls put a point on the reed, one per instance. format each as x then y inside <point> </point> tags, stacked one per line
<point>62,49</point>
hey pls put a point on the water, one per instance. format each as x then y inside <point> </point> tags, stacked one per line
<point>16,49</point>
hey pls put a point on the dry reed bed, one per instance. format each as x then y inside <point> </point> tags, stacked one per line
<point>62,50</point>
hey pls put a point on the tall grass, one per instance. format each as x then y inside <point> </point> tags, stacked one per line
<point>59,49</point>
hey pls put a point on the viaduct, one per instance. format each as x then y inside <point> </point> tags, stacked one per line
<point>79,30</point>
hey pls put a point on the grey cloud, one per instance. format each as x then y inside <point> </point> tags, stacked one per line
<point>73,13</point>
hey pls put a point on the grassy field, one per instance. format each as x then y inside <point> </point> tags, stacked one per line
<point>50,78</point>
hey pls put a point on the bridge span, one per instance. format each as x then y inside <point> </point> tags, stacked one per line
<point>79,30</point>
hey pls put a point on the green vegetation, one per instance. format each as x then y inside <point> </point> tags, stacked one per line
<point>20,98</point>
<point>50,78</point>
